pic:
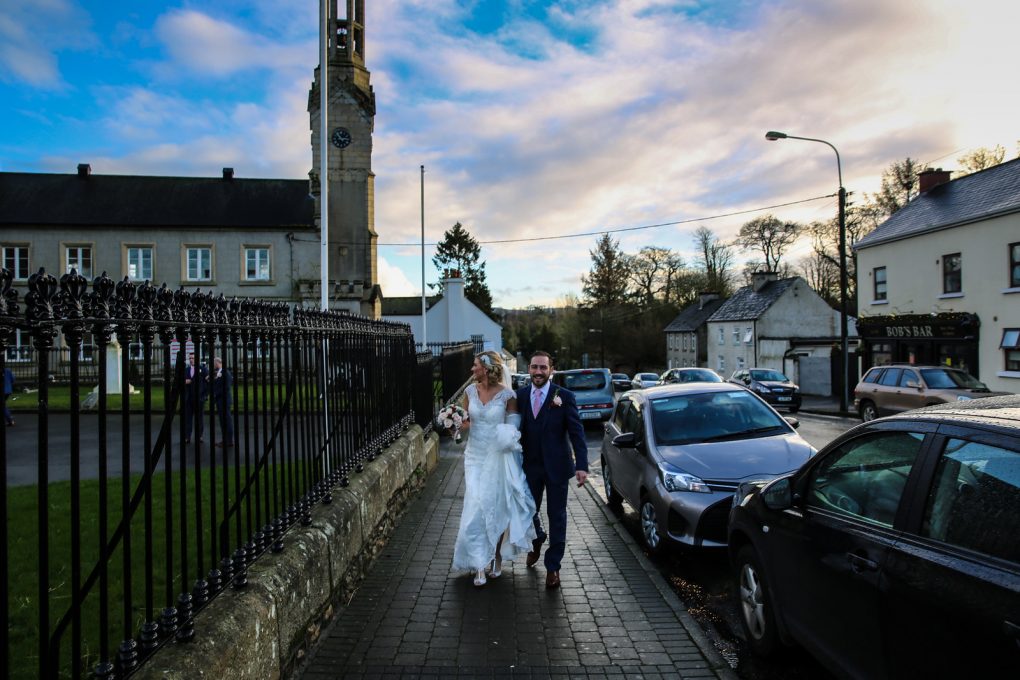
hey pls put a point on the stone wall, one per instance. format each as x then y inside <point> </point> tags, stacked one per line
<point>263,630</point>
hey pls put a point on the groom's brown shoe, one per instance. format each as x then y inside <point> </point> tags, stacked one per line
<point>552,579</point>
<point>535,553</point>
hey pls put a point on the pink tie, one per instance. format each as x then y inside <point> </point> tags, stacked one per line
<point>536,402</point>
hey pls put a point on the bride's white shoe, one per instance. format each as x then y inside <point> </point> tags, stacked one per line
<point>480,578</point>
<point>497,568</point>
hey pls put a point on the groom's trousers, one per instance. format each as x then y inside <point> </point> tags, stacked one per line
<point>556,509</point>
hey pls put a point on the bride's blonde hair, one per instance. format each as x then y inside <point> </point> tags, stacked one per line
<point>493,365</point>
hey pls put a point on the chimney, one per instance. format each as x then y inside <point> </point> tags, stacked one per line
<point>453,288</point>
<point>228,173</point>
<point>759,279</point>
<point>84,169</point>
<point>929,179</point>
<point>705,297</point>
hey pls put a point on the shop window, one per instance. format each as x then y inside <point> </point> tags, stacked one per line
<point>952,266</point>
<point>1014,265</point>
<point>881,353</point>
<point>881,292</point>
<point>1010,346</point>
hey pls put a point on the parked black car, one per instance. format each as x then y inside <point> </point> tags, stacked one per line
<point>894,552</point>
<point>770,385</point>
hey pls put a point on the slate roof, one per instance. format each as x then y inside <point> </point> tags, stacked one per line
<point>407,306</point>
<point>35,199</point>
<point>982,195</point>
<point>746,304</point>
<point>691,318</point>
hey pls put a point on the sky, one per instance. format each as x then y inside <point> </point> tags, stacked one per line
<point>534,120</point>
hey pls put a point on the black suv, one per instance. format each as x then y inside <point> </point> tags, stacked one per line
<point>771,385</point>
<point>893,552</point>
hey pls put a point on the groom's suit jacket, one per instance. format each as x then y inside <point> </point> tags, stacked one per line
<point>546,439</point>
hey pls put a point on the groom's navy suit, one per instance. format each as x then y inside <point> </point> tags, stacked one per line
<point>548,463</point>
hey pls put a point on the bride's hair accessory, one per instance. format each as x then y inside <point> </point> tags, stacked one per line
<point>484,358</point>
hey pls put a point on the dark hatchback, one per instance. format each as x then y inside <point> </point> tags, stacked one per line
<point>770,385</point>
<point>895,552</point>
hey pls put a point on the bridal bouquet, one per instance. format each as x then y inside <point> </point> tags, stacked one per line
<point>450,418</point>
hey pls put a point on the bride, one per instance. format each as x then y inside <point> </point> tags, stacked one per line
<point>497,521</point>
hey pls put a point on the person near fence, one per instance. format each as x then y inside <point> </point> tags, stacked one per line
<point>550,420</point>
<point>196,391</point>
<point>496,520</point>
<point>223,395</point>
<point>8,391</point>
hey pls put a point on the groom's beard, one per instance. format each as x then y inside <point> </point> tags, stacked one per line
<point>539,381</point>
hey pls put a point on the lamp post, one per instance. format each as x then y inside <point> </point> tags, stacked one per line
<point>772,136</point>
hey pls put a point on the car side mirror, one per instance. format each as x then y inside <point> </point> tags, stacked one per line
<point>626,440</point>
<point>794,422</point>
<point>778,495</point>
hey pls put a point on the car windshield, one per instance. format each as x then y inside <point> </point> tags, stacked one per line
<point>945,378</point>
<point>620,376</point>
<point>774,376</point>
<point>697,376</point>
<point>584,381</point>
<point>647,376</point>
<point>713,416</point>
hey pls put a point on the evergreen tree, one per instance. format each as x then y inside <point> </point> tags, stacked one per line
<point>460,251</point>
<point>606,284</point>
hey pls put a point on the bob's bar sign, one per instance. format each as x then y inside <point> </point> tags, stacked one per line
<point>909,332</point>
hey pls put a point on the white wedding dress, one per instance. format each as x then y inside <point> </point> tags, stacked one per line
<point>496,494</point>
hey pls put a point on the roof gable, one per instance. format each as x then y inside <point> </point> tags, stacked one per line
<point>747,304</point>
<point>992,192</point>
<point>694,316</point>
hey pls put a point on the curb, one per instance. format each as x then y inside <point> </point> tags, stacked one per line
<point>716,661</point>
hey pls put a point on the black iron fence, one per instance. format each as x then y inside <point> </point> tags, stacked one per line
<point>139,512</point>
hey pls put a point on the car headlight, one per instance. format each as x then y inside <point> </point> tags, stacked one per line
<point>963,397</point>
<point>681,481</point>
<point>762,389</point>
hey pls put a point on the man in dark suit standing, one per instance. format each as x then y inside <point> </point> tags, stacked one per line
<point>550,424</point>
<point>223,395</point>
<point>196,390</point>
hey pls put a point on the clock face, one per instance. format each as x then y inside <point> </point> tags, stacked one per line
<point>341,137</point>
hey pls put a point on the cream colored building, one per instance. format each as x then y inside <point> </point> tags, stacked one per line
<point>939,281</point>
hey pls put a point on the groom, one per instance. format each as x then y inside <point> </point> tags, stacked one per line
<point>548,420</point>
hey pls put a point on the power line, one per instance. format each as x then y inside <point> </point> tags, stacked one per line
<point>626,229</point>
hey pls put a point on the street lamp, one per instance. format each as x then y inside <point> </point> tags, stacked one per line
<point>772,136</point>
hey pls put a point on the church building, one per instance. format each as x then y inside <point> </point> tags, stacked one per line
<point>245,237</point>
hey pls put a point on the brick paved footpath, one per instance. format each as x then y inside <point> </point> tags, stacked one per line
<point>613,617</point>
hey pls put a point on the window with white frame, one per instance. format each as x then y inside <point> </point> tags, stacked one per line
<point>952,270</point>
<point>694,342</point>
<point>721,363</point>
<point>15,260</point>
<point>199,263</point>
<point>256,264</point>
<point>20,347</point>
<point>736,335</point>
<point>139,263</point>
<point>80,258</point>
<point>1010,347</point>
<point>722,335</point>
<point>881,286</point>
<point>740,363</point>
<point>685,342</point>
<point>748,335</point>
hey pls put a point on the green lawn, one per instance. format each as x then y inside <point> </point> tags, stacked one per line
<point>23,562</point>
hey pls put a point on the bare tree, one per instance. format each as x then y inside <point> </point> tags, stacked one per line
<point>898,182</point>
<point>716,259</point>
<point>769,236</point>
<point>980,159</point>
<point>651,273</point>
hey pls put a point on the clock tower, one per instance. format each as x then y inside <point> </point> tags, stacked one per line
<point>350,116</point>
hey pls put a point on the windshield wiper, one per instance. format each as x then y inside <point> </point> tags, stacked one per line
<point>742,433</point>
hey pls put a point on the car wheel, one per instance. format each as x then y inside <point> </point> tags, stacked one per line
<point>650,535</point>
<point>755,597</point>
<point>868,411</point>
<point>613,497</point>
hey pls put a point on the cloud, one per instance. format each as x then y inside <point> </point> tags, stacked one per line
<point>33,32</point>
<point>394,281</point>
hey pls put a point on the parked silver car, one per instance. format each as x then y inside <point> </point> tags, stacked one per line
<point>678,452</point>
<point>643,380</point>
